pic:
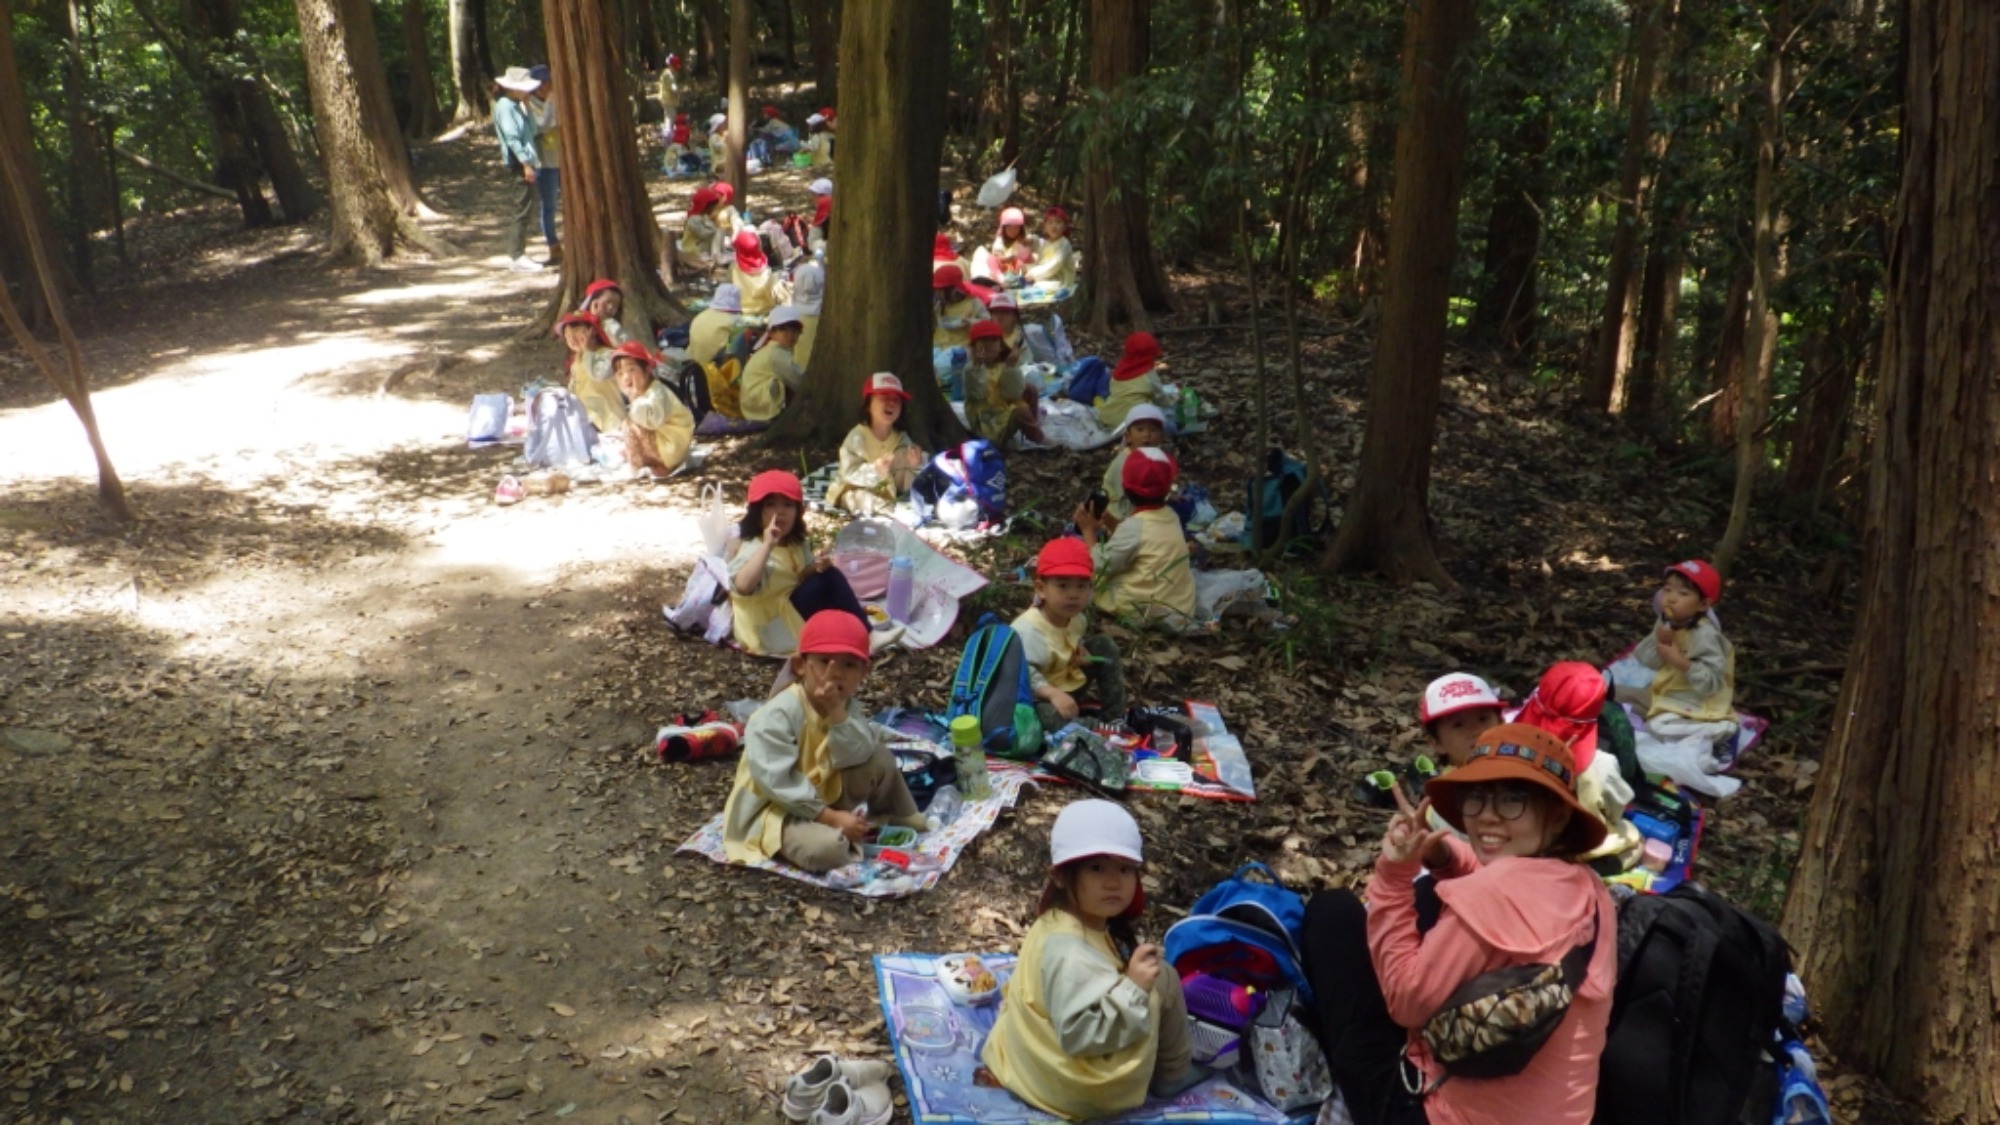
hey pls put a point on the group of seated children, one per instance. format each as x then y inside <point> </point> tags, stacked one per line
<point>617,389</point>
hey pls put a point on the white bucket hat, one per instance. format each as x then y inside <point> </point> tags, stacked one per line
<point>1144,412</point>
<point>1094,827</point>
<point>517,78</point>
<point>715,121</point>
<point>783,315</point>
<point>821,186</point>
<point>728,298</point>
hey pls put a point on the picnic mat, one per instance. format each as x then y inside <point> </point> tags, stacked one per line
<point>944,846</point>
<point>1220,770</point>
<point>937,1046</point>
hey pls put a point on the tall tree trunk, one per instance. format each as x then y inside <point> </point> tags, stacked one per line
<point>425,119</point>
<point>1653,337</point>
<point>608,224</point>
<point>993,91</point>
<point>1824,418</point>
<point>296,194</point>
<point>738,172</point>
<point>1612,360</point>
<point>708,61</point>
<point>364,155</point>
<point>1760,339</point>
<point>1387,528</point>
<point>1728,380</point>
<point>893,59</point>
<point>1896,898</point>
<point>24,219</point>
<point>652,53</point>
<point>84,171</point>
<point>825,47</point>
<point>1124,279</point>
<point>482,36</point>
<point>1507,310</point>
<point>786,23</point>
<point>468,79</point>
<point>1370,135</point>
<point>18,185</point>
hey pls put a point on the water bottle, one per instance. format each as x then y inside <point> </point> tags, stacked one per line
<point>1188,410</point>
<point>970,757</point>
<point>902,577</point>
<point>945,807</point>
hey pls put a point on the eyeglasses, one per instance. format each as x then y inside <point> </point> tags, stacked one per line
<point>1508,804</point>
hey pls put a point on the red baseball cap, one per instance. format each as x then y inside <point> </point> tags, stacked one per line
<point>1459,691</point>
<point>1149,474</point>
<point>1566,704</point>
<point>1064,558</point>
<point>944,277</point>
<point>985,330</point>
<point>776,482</point>
<point>883,383</point>
<point>1705,577</point>
<point>596,326</point>
<point>599,286</point>
<point>633,349</point>
<point>770,111</point>
<point>834,632</point>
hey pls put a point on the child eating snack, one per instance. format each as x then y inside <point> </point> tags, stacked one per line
<point>1694,683</point>
<point>878,460</point>
<point>659,428</point>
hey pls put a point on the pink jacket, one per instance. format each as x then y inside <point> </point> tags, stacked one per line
<point>1510,912</point>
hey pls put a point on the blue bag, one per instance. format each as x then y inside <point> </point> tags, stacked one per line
<point>1089,382</point>
<point>1245,930</point>
<point>992,686</point>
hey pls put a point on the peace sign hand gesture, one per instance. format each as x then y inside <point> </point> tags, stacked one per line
<point>1409,835</point>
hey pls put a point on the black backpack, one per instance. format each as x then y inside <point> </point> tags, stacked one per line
<point>691,384</point>
<point>1701,988</point>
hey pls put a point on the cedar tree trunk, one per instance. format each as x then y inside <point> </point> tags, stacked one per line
<point>367,167</point>
<point>1613,357</point>
<point>25,219</point>
<point>1386,528</point>
<point>608,225</point>
<point>1121,279</point>
<point>738,129</point>
<point>825,46</point>
<point>893,56</point>
<point>1896,899</point>
<point>1729,357</point>
<point>425,119</point>
<point>468,78</point>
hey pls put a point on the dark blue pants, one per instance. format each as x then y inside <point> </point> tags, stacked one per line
<point>827,589</point>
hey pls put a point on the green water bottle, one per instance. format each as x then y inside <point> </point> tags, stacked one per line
<point>970,758</point>
<point>1188,410</point>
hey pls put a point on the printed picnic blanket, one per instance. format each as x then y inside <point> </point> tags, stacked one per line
<point>937,1046</point>
<point>944,846</point>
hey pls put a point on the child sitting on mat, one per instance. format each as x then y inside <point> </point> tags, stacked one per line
<point>1145,562</point>
<point>1062,659</point>
<point>1091,1021</point>
<point>775,583</point>
<point>999,401</point>
<point>589,371</point>
<point>878,460</point>
<point>1693,694</point>
<point>811,759</point>
<point>773,374</point>
<point>659,428</point>
<point>1133,380</point>
<point>1145,427</point>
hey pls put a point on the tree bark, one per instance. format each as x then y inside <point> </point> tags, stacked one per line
<point>608,224</point>
<point>85,170</point>
<point>1506,313</point>
<point>893,59</point>
<point>1370,134</point>
<point>1612,359</point>
<point>1728,380</point>
<point>1760,339</point>
<point>468,79</point>
<point>1386,528</point>
<point>425,119</point>
<point>364,155</point>
<point>1896,898</point>
<point>25,219</point>
<point>296,195</point>
<point>825,47</point>
<point>738,129</point>
<point>1122,279</point>
<point>1824,419</point>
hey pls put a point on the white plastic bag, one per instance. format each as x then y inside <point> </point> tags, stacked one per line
<point>995,191</point>
<point>714,521</point>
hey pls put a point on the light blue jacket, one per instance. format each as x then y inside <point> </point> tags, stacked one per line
<point>516,129</point>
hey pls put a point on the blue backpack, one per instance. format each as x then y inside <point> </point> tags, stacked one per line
<point>972,471</point>
<point>1089,382</point>
<point>1269,493</point>
<point>1244,930</point>
<point>992,686</point>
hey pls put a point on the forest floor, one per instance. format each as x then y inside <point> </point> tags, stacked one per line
<point>324,784</point>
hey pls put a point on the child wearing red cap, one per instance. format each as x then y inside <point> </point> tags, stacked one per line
<point>775,582</point>
<point>1569,703</point>
<point>954,309</point>
<point>711,225</point>
<point>589,371</point>
<point>998,399</point>
<point>1063,659</point>
<point>1693,694</point>
<point>1091,1021</point>
<point>1055,262</point>
<point>605,299</point>
<point>878,460</point>
<point>1145,565</point>
<point>810,758</point>
<point>757,284</point>
<point>659,428</point>
<point>1133,381</point>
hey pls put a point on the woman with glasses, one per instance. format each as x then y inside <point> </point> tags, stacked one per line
<point>1509,892</point>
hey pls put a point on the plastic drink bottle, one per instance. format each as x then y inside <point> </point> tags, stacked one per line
<point>970,758</point>
<point>902,578</point>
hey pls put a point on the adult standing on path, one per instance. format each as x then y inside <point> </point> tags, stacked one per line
<point>548,148</point>
<point>514,121</point>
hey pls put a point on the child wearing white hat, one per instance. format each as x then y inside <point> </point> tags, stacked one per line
<point>1091,1021</point>
<point>708,333</point>
<point>1145,427</point>
<point>773,372</point>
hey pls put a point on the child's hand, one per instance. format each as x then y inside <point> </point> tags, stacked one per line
<point>1144,967</point>
<point>1664,635</point>
<point>1086,522</point>
<point>1064,703</point>
<point>852,826</point>
<point>885,465</point>
<point>1410,836</point>
<point>772,535</point>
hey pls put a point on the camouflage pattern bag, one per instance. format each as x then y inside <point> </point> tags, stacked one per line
<point>1493,1025</point>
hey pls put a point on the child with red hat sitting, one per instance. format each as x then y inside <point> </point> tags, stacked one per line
<point>811,759</point>
<point>999,400</point>
<point>878,460</point>
<point>1063,659</point>
<point>589,371</point>
<point>1693,693</point>
<point>606,299</point>
<point>775,581</point>
<point>659,428</point>
<point>1133,381</point>
<point>1569,703</point>
<point>711,224</point>
<point>1145,562</point>
<point>953,306</point>
<point>758,286</point>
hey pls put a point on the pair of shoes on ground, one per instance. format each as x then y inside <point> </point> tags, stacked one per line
<point>697,738</point>
<point>836,1091</point>
<point>524,264</point>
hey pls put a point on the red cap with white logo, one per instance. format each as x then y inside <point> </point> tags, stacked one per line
<point>1448,695</point>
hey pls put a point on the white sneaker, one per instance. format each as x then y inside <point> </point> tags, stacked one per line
<point>806,1091</point>
<point>525,264</point>
<point>883,638</point>
<point>869,1104</point>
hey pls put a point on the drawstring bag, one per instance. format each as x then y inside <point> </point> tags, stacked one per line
<point>1291,1069</point>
